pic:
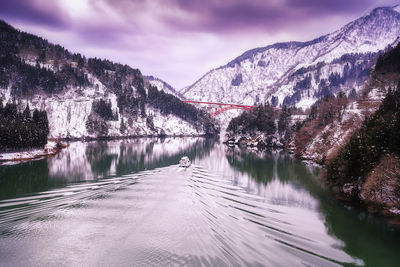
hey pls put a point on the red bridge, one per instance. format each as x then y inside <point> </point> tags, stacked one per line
<point>221,107</point>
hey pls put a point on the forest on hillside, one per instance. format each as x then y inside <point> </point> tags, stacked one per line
<point>368,166</point>
<point>379,135</point>
<point>266,121</point>
<point>31,65</point>
<point>22,129</point>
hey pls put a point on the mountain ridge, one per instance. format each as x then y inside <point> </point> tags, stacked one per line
<point>300,44</point>
<point>89,98</point>
<point>256,83</point>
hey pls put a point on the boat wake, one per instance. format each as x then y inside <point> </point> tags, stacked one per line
<point>166,216</point>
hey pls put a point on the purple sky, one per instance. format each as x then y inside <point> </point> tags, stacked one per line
<point>179,40</point>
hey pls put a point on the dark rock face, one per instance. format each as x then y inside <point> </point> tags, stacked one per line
<point>237,80</point>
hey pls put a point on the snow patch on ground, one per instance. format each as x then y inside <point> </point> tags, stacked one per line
<point>397,8</point>
<point>395,211</point>
<point>37,153</point>
<point>172,126</point>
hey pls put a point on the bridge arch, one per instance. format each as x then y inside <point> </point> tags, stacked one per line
<point>222,106</point>
<point>213,114</point>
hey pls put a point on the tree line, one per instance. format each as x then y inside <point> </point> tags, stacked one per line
<point>22,129</point>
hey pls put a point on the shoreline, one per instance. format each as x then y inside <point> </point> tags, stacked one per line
<point>110,138</point>
<point>51,149</point>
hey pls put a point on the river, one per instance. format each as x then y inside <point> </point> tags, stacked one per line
<point>127,203</point>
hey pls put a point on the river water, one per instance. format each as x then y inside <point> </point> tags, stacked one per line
<point>127,203</point>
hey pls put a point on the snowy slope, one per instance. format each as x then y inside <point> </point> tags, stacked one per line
<point>278,73</point>
<point>68,113</point>
<point>90,98</point>
<point>325,144</point>
<point>162,85</point>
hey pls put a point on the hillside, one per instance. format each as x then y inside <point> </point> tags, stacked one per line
<point>333,120</point>
<point>163,86</point>
<point>367,166</point>
<point>300,73</point>
<point>358,139</point>
<point>89,98</point>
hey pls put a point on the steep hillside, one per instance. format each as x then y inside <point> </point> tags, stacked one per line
<point>334,119</point>
<point>89,98</point>
<point>358,139</point>
<point>299,73</point>
<point>367,167</point>
<point>162,85</point>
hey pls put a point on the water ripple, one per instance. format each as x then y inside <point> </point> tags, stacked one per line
<point>166,216</point>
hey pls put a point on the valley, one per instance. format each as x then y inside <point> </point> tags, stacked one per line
<point>291,149</point>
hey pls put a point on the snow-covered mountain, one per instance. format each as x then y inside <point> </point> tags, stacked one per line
<point>163,85</point>
<point>90,98</point>
<point>301,72</point>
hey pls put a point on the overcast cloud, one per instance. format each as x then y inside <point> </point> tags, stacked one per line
<point>179,40</point>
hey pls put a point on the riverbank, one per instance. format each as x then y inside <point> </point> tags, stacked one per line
<point>258,141</point>
<point>111,138</point>
<point>50,149</point>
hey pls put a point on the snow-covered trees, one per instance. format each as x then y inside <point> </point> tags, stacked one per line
<point>20,130</point>
<point>104,110</point>
<point>379,135</point>
<point>260,119</point>
<point>31,78</point>
<point>169,104</point>
<point>31,66</point>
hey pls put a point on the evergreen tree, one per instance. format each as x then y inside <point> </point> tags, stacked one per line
<point>16,131</point>
<point>122,127</point>
<point>27,113</point>
<point>284,118</point>
<point>10,110</point>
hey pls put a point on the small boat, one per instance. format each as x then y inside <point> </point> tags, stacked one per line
<point>184,162</point>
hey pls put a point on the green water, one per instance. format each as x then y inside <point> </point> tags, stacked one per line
<point>127,203</point>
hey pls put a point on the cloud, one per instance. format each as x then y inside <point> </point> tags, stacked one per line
<point>238,15</point>
<point>179,40</point>
<point>45,13</point>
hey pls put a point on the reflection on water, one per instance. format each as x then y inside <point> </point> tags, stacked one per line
<point>127,203</point>
<point>90,161</point>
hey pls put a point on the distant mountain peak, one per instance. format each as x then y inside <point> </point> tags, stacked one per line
<point>301,72</point>
<point>396,8</point>
<point>5,25</point>
<point>298,44</point>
